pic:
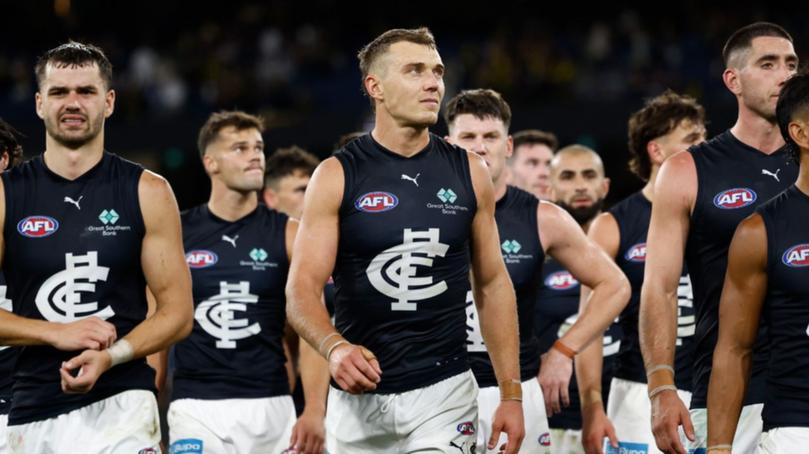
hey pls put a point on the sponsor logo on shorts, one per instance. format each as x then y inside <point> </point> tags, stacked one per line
<point>544,439</point>
<point>561,280</point>
<point>37,226</point>
<point>466,428</point>
<point>186,446</point>
<point>696,451</point>
<point>636,253</point>
<point>376,202</point>
<point>466,447</point>
<point>628,448</point>
<point>734,198</point>
<point>148,451</point>
<point>797,256</point>
<point>200,258</point>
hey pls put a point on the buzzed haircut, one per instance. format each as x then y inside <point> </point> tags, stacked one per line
<point>535,137</point>
<point>376,48</point>
<point>221,120</point>
<point>658,117</point>
<point>793,102</point>
<point>482,103</point>
<point>577,149</point>
<point>10,143</point>
<point>289,161</point>
<point>742,39</point>
<point>74,54</point>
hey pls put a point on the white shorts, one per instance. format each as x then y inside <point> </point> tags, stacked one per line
<point>125,422</point>
<point>440,418</point>
<point>4,434</point>
<point>537,435</point>
<point>784,439</point>
<point>748,431</point>
<point>566,441</point>
<point>231,426</point>
<point>630,411</point>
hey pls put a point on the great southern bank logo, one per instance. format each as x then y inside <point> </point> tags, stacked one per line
<point>376,202</point>
<point>797,256</point>
<point>511,246</point>
<point>447,195</point>
<point>734,198</point>
<point>37,226</point>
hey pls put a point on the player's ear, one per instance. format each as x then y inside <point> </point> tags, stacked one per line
<point>731,79</point>
<point>209,163</point>
<point>655,153</point>
<point>799,133</point>
<point>509,146</point>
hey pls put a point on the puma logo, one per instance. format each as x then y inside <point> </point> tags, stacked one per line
<point>409,178</point>
<point>74,202</point>
<point>230,240</point>
<point>774,175</point>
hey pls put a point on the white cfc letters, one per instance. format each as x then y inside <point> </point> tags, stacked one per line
<point>59,297</point>
<point>686,321</point>
<point>216,314</point>
<point>393,271</point>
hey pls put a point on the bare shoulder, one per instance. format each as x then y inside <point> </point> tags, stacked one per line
<point>678,178</point>
<point>153,185</point>
<point>156,198</point>
<point>751,230</point>
<point>550,212</point>
<point>326,187</point>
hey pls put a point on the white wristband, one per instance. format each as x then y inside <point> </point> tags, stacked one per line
<point>121,352</point>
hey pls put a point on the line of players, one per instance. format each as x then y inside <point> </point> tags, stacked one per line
<point>387,203</point>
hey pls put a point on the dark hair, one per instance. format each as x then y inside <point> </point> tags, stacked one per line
<point>288,161</point>
<point>535,137</point>
<point>793,100</point>
<point>482,103</point>
<point>220,120</point>
<point>346,138</point>
<point>10,143</point>
<point>658,117</point>
<point>742,39</point>
<point>373,50</point>
<point>74,54</point>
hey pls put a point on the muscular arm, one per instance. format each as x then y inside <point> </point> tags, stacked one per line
<point>675,195</point>
<point>739,312</point>
<point>314,254</point>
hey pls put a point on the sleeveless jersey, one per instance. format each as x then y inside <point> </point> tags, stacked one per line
<point>556,311</point>
<point>7,355</point>
<point>733,179</point>
<point>516,216</point>
<point>73,250</point>
<point>633,215</point>
<point>239,270</point>
<point>402,268</point>
<point>786,309</point>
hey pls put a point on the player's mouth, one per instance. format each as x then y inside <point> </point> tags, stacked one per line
<point>580,202</point>
<point>430,102</point>
<point>72,120</point>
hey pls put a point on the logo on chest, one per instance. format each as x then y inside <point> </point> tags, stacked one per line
<point>636,253</point>
<point>59,297</point>
<point>109,224</point>
<point>376,202</point>
<point>201,258</point>
<point>216,314</point>
<point>448,197</point>
<point>796,256</point>
<point>734,198</point>
<point>37,226</point>
<point>561,280</point>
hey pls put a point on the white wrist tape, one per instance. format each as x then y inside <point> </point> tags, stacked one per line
<point>121,352</point>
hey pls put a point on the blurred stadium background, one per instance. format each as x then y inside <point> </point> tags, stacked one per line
<point>573,69</point>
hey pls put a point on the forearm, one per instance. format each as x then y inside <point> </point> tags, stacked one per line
<point>657,326</point>
<point>605,303</point>
<point>729,377</point>
<point>308,316</point>
<point>497,309</point>
<point>21,331</point>
<point>315,379</point>
<point>588,365</point>
<point>165,327</point>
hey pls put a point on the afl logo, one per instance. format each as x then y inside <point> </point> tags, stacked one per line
<point>466,428</point>
<point>734,198</point>
<point>561,280</point>
<point>636,253</point>
<point>201,259</point>
<point>796,256</point>
<point>545,439</point>
<point>37,226</point>
<point>376,202</point>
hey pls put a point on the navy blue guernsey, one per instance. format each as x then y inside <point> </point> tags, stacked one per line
<point>556,311</point>
<point>633,215</point>
<point>7,355</point>
<point>786,309</point>
<point>733,179</point>
<point>516,216</point>
<point>239,270</point>
<point>73,250</point>
<point>402,268</point>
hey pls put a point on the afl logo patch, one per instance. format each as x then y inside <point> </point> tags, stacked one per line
<point>37,226</point>
<point>201,258</point>
<point>466,428</point>
<point>636,253</point>
<point>734,198</point>
<point>545,439</point>
<point>560,280</point>
<point>376,202</point>
<point>796,256</point>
